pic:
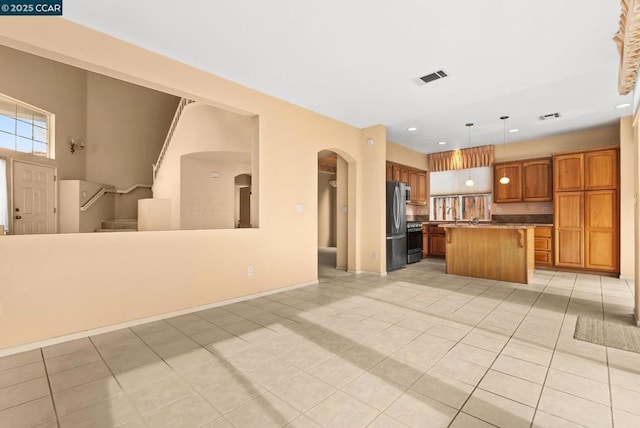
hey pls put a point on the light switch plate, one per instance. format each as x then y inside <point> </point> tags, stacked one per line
<point>299,208</point>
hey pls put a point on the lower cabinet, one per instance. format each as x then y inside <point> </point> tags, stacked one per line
<point>587,230</point>
<point>601,230</point>
<point>437,242</point>
<point>543,246</point>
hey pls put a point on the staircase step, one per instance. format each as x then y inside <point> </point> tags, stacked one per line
<point>116,230</point>
<point>120,224</point>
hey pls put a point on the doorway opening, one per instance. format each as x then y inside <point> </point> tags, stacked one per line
<point>333,196</point>
<point>243,201</point>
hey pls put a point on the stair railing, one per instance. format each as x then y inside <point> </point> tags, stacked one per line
<point>105,190</point>
<point>167,141</point>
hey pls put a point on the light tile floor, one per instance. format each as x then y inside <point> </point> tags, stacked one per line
<point>417,348</point>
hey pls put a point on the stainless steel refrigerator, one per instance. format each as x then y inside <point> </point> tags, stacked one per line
<point>396,225</point>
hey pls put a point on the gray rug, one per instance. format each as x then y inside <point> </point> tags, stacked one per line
<point>605,333</point>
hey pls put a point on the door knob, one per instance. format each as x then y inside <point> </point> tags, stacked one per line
<point>18,217</point>
<point>17,210</point>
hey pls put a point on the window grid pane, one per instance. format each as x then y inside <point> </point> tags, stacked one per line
<point>7,141</point>
<point>22,128</point>
<point>7,124</point>
<point>24,145</point>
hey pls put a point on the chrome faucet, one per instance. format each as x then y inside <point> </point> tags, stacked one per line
<point>455,214</point>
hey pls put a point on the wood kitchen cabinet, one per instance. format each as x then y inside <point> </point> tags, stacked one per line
<point>437,241</point>
<point>569,223</point>
<point>390,172</point>
<point>536,180</point>
<point>415,178</point>
<point>543,246</point>
<point>529,181</point>
<point>568,172</point>
<point>601,230</point>
<point>601,170</point>
<point>512,191</point>
<point>587,233</point>
<point>419,188</point>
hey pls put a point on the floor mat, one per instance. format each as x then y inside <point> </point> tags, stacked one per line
<point>605,333</point>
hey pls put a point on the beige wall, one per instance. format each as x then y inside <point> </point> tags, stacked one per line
<point>342,214</point>
<point>627,197</point>
<point>159,272</point>
<point>541,147</point>
<point>56,88</point>
<point>636,216</point>
<point>206,202</point>
<point>123,125</point>
<point>406,156</point>
<point>326,211</point>
<point>373,218</point>
<point>203,128</point>
<point>126,127</point>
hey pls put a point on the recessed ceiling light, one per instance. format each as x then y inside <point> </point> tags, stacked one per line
<point>623,105</point>
<point>514,130</point>
<point>413,128</point>
<point>442,143</point>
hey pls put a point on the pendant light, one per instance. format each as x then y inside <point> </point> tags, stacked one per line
<point>469,182</point>
<point>504,179</point>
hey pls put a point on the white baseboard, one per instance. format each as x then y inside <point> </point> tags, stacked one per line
<point>100,330</point>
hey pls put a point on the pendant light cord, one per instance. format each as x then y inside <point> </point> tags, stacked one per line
<point>504,144</point>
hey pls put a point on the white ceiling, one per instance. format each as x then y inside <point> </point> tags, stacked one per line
<point>354,60</point>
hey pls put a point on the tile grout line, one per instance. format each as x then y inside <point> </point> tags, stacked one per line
<point>458,411</point>
<point>114,378</point>
<point>540,293</point>
<point>237,373</point>
<point>193,389</point>
<point>553,354</point>
<point>606,355</point>
<point>53,402</point>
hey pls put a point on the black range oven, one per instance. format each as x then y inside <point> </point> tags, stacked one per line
<point>414,241</point>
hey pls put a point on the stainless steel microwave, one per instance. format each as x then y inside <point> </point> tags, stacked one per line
<point>407,190</point>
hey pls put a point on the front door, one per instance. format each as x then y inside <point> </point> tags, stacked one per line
<point>33,199</point>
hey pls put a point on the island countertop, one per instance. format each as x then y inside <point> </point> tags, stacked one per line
<point>488,225</point>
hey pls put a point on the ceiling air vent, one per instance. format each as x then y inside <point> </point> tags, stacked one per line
<point>440,74</point>
<point>549,116</point>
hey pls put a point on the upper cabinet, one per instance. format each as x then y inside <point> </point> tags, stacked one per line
<point>592,170</point>
<point>601,170</point>
<point>414,178</point>
<point>567,172</point>
<point>529,181</point>
<point>512,191</point>
<point>537,179</point>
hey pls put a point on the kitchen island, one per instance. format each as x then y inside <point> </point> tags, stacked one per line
<point>504,252</point>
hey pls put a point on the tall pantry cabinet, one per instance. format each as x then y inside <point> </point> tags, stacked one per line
<point>586,214</point>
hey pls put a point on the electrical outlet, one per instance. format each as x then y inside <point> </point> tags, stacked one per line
<point>526,207</point>
<point>544,209</point>
<point>374,254</point>
<point>250,271</point>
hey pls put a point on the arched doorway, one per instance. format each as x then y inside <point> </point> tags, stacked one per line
<point>333,214</point>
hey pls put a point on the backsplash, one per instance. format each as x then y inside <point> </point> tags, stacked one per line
<point>419,217</point>
<point>523,218</point>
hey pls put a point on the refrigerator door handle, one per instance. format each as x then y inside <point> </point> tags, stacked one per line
<point>396,208</point>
